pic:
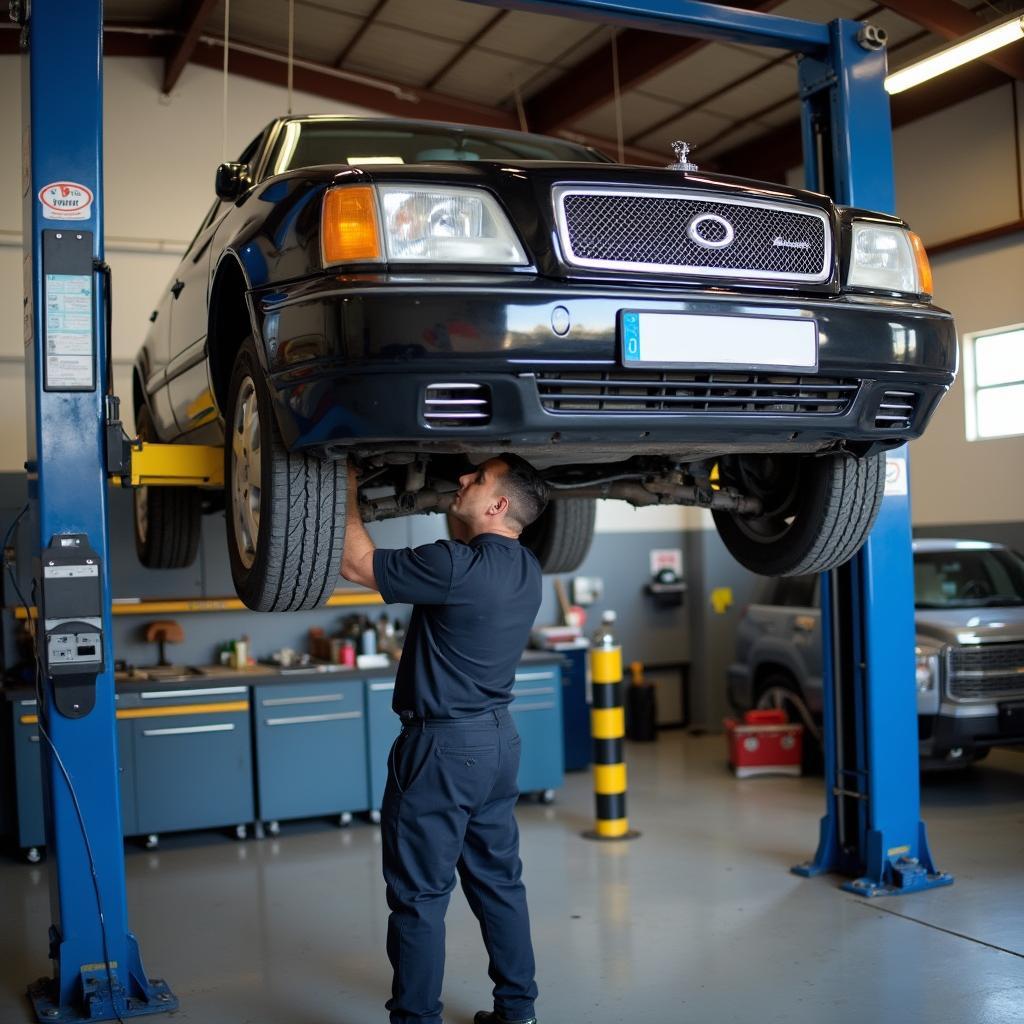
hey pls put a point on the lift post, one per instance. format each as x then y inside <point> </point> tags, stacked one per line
<point>97,967</point>
<point>872,829</point>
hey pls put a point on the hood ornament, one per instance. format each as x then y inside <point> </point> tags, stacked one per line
<point>682,152</point>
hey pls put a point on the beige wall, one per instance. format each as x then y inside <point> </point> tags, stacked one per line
<point>956,174</point>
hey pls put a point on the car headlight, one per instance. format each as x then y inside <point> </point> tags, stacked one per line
<point>887,257</point>
<point>401,223</point>
<point>449,225</point>
<point>927,673</point>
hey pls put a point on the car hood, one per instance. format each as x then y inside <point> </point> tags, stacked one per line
<point>972,625</point>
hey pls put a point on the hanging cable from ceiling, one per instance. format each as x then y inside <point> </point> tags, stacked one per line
<point>291,52</point>
<point>227,50</point>
<point>618,98</point>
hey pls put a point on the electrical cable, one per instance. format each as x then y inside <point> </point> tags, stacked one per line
<point>60,764</point>
<point>102,267</point>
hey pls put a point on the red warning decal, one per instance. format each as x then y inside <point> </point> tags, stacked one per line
<point>66,200</point>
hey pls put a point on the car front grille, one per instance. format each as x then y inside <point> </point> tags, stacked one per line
<point>663,232</point>
<point>457,405</point>
<point>986,672</point>
<point>896,410</point>
<point>625,392</point>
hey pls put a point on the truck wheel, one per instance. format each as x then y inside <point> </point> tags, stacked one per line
<point>167,519</point>
<point>285,510</point>
<point>817,510</point>
<point>561,537</point>
<point>780,691</point>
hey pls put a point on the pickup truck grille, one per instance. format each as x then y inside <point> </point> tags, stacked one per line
<point>986,672</point>
<point>625,392</point>
<point>675,232</point>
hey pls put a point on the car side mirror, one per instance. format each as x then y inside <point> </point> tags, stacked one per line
<point>232,181</point>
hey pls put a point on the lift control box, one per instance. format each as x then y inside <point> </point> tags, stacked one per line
<point>72,612</point>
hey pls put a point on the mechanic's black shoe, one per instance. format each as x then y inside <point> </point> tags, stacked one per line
<point>493,1017</point>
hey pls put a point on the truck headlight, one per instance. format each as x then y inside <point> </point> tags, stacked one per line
<point>887,257</point>
<point>447,225</point>
<point>927,673</point>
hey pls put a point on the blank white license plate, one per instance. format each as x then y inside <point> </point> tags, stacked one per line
<point>713,342</point>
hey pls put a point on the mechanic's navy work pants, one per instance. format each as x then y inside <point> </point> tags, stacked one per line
<point>448,805</point>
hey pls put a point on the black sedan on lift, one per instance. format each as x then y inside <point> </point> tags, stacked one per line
<point>413,295</point>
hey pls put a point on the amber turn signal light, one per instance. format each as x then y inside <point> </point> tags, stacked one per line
<point>924,267</point>
<point>349,225</point>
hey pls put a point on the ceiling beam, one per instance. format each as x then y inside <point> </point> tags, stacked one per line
<point>196,13</point>
<point>421,103</point>
<point>771,155</point>
<point>359,33</point>
<point>948,19</point>
<point>465,48</point>
<point>589,84</point>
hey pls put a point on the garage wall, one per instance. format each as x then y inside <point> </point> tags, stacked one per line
<point>957,173</point>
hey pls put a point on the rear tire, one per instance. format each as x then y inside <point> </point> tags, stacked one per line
<point>562,536</point>
<point>167,520</point>
<point>818,510</point>
<point>285,510</point>
<point>779,690</point>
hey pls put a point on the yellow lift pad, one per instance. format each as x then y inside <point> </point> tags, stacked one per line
<point>174,465</point>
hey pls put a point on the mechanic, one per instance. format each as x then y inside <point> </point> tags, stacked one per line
<point>451,787</point>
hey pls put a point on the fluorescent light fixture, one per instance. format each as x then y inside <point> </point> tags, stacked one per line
<point>971,48</point>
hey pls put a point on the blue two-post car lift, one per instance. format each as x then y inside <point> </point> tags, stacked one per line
<point>872,829</point>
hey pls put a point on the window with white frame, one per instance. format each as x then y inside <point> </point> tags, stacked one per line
<point>994,383</point>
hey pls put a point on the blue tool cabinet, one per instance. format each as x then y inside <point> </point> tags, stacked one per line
<point>537,711</point>
<point>28,783</point>
<point>382,726</point>
<point>193,759</point>
<point>310,740</point>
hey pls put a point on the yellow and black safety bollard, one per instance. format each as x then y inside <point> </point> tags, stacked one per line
<point>608,730</point>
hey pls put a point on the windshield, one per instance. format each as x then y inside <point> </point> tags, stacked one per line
<point>363,144</point>
<point>968,578</point>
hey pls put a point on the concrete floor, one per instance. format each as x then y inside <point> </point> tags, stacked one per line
<point>698,921</point>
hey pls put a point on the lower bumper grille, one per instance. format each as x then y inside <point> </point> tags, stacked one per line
<point>987,672</point>
<point>625,392</point>
<point>457,405</point>
<point>896,410</point>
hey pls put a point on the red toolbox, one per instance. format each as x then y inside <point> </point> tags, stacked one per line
<point>764,743</point>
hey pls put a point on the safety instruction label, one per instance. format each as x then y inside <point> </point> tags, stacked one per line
<point>66,200</point>
<point>69,332</point>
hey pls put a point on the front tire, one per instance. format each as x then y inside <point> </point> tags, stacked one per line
<point>285,510</point>
<point>817,510</point>
<point>562,535</point>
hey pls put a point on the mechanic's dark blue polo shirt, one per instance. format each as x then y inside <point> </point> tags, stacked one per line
<point>475,604</point>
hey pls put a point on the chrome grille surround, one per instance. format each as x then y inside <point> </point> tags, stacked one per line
<point>985,672</point>
<point>646,231</point>
<point>670,392</point>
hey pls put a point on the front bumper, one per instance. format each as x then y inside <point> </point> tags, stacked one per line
<point>351,358</point>
<point>970,727</point>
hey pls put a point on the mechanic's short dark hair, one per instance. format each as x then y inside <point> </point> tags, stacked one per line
<point>527,492</point>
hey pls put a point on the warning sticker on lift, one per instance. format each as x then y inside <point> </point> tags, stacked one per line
<point>69,336</point>
<point>66,200</point>
<point>895,475</point>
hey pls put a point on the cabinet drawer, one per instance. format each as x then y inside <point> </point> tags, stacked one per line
<point>310,749</point>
